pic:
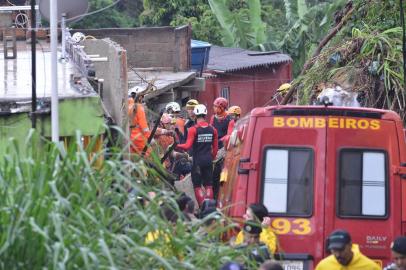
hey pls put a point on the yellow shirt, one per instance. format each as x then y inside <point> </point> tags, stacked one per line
<point>358,262</point>
<point>267,236</point>
<point>166,247</point>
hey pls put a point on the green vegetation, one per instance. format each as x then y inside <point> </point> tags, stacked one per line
<point>366,57</point>
<point>292,26</point>
<point>242,27</point>
<point>58,211</point>
<point>124,14</point>
<point>365,54</point>
<point>197,13</point>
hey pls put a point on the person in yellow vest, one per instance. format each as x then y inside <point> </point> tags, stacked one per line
<point>139,130</point>
<point>345,254</point>
<point>258,212</point>
<point>162,241</point>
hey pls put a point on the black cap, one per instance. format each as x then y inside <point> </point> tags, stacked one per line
<point>252,228</point>
<point>399,245</point>
<point>259,210</point>
<point>183,201</point>
<point>338,239</point>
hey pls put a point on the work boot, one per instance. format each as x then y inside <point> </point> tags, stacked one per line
<point>199,195</point>
<point>209,192</point>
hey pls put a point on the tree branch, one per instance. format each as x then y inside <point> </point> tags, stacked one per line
<point>322,44</point>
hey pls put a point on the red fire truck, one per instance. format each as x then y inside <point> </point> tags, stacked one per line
<point>317,169</point>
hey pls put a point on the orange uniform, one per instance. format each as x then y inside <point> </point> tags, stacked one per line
<point>164,141</point>
<point>139,130</point>
<point>180,124</point>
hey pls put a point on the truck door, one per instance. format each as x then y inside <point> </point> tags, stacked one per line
<point>290,152</point>
<point>361,194</point>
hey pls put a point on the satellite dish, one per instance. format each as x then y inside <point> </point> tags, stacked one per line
<point>74,10</point>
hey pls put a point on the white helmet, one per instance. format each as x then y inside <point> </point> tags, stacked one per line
<point>137,90</point>
<point>172,106</point>
<point>78,37</point>
<point>200,109</point>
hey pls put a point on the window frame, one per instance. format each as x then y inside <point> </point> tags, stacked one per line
<point>225,92</point>
<point>262,184</point>
<point>338,180</point>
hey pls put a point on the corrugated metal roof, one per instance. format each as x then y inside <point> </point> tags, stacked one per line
<point>234,59</point>
<point>157,82</point>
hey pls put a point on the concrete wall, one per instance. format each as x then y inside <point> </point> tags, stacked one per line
<point>166,47</point>
<point>114,73</point>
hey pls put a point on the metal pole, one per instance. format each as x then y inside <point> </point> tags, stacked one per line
<point>63,26</point>
<point>33,64</point>
<point>54,70</point>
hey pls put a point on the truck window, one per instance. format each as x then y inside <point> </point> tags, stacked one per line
<point>362,183</point>
<point>288,181</point>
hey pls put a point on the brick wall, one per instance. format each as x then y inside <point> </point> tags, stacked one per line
<point>164,47</point>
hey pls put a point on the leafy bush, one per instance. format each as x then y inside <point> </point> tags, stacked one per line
<point>365,57</point>
<point>61,211</point>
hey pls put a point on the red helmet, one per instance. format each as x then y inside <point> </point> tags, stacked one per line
<point>221,102</point>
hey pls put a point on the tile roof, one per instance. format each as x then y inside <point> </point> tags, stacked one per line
<point>234,59</point>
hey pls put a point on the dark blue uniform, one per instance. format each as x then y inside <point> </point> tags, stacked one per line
<point>203,140</point>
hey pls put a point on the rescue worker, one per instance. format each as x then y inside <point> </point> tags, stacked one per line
<point>139,130</point>
<point>165,132</point>
<point>345,254</point>
<point>191,121</point>
<point>224,125</point>
<point>164,137</point>
<point>173,108</point>
<point>234,112</point>
<point>221,120</point>
<point>284,89</point>
<point>398,248</point>
<point>203,140</point>
<point>252,231</point>
<point>258,212</point>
